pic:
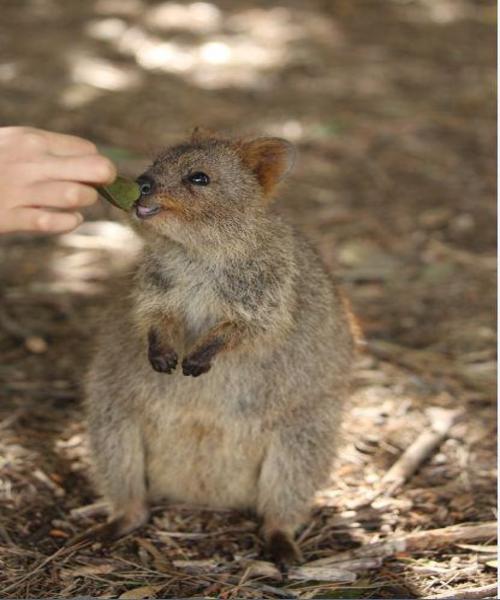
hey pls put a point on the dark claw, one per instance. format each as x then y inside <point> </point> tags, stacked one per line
<point>193,368</point>
<point>163,363</point>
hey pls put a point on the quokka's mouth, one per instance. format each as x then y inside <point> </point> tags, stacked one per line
<point>145,212</point>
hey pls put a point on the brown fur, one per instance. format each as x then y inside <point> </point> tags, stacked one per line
<point>172,205</point>
<point>269,158</point>
<point>228,288</point>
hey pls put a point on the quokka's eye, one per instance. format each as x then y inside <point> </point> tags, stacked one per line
<point>199,178</point>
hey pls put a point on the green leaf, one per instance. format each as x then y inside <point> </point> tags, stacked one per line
<point>122,193</point>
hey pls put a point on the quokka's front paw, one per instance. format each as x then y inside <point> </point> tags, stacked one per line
<point>192,365</point>
<point>163,363</point>
<point>163,360</point>
<point>199,360</point>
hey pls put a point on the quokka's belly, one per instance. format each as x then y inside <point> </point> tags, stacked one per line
<point>195,459</point>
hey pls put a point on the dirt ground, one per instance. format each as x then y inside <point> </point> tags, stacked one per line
<point>391,105</point>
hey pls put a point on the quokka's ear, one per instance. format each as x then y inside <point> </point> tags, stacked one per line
<point>269,158</point>
<point>201,134</point>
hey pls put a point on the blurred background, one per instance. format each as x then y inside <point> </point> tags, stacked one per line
<point>391,105</point>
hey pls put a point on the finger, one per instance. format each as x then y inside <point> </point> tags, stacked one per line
<point>61,144</point>
<point>61,194</point>
<point>88,169</point>
<point>44,221</point>
<point>38,141</point>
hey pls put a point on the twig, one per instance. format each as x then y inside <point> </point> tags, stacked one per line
<point>416,542</point>
<point>61,551</point>
<point>58,490</point>
<point>441,420</point>
<point>97,509</point>
<point>485,591</point>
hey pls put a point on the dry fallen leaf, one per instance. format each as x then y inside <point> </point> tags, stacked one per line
<point>261,568</point>
<point>147,591</point>
<point>159,560</point>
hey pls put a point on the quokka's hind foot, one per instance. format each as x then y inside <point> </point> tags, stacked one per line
<point>282,549</point>
<point>115,528</point>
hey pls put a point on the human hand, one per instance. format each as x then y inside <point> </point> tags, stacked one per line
<point>45,178</point>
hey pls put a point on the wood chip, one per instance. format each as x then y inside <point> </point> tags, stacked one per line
<point>196,566</point>
<point>58,533</point>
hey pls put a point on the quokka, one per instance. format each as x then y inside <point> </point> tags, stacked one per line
<point>220,380</point>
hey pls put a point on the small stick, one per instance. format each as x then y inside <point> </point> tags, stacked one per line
<point>441,420</point>
<point>416,542</point>
<point>58,490</point>
<point>63,550</point>
<point>485,591</point>
<point>97,509</point>
<point>321,573</point>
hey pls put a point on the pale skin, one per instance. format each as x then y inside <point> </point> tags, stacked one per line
<point>46,178</point>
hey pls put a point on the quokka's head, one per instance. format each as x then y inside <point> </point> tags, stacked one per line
<point>210,186</point>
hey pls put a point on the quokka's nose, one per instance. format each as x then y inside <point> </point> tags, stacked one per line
<point>146,207</point>
<point>146,185</point>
